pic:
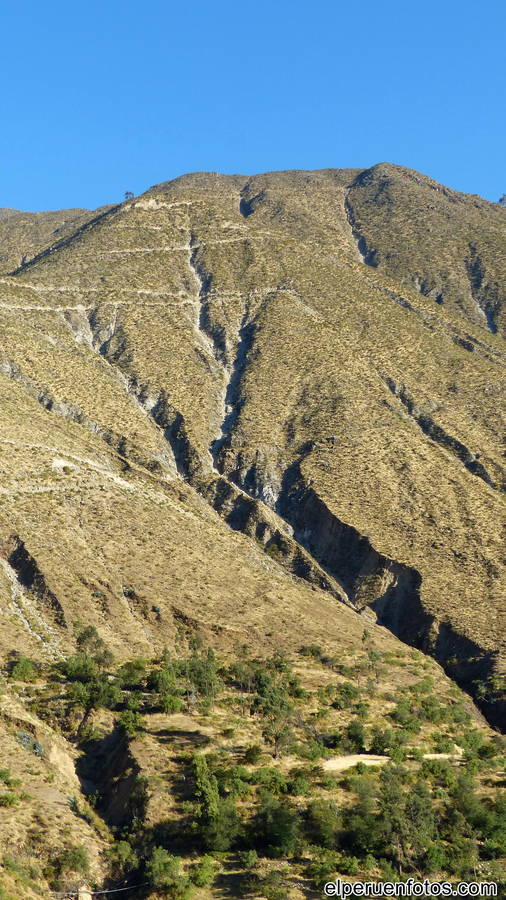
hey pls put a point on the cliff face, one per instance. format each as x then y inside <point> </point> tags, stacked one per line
<point>259,401</point>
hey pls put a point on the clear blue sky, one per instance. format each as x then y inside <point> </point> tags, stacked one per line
<point>102,97</point>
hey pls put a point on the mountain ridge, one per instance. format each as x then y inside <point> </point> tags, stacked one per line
<point>193,310</point>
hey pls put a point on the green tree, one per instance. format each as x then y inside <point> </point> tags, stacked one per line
<point>202,672</point>
<point>203,873</point>
<point>361,834</point>
<point>131,721</point>
<point>98,693</point>
<point>79,667</point>
<point>219,831</point>
<point>90,643</point>
<point>132,674</point>
<point>276,827</point>
<point>217,819</point>
<point>278,732</point>
<point>164,874</point>
<point>122,859</point>
<point>206,788</point>
<point>347,693</point>
<point>406,823</point>
<point>355,736</point>
<point>324,823</point>
<point>88,640</point>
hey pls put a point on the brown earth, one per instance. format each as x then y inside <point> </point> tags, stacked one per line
<point>316,357</point>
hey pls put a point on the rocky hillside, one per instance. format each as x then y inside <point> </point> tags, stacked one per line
<point>261,414</point>
<point>315,356</point>
<point>24,234</point>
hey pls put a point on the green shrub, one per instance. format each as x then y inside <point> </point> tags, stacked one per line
<point>170,704</point>
<point>233,780</point>
<point>299,786</point>
<point>164,874</point>
<point>73,859</point>
<point>459,714</point>
<point>329,782</point>
<point>219,830</point>
<point>442,743</point>
<point>434,859</point>
<point>355,736</point>
<point>384,740</point>
<point>252,754</point>
<point>439,772</point>
<point>79,667</point>
<point>425,686</point>
<point>248,859</point>
<point>347,693</point>
<point>276,827</point>
<point>132,674</point>
<point>272,886</point>
<point>122,858</point>
<point>131,722</point>
<point>490,749</point>
<point>272,779</point>
<point>89,642</point>
<point>24,670</point>
<point>6,778</point>
<point>349,865</point>
<point>432,711</point>
<point>323,822</point>
<point>203,873</point>
<point>323,869</point>
<point>361,710</point>
<point>311,750</point>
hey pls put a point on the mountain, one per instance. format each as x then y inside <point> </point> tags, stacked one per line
<point>24,234</point>
<point>223,341</point>
<point>267,409</point>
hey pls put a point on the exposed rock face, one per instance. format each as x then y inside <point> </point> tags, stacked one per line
<point>29,576</point>
<point>316,357</point>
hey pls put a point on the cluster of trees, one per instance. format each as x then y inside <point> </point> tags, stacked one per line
<point>400,822</point>
<point>164,873</point>
<point>188,682</point>
<point>426,818</point>
<point>192,681</point>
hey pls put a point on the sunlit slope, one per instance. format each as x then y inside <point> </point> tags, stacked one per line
<point>225,332</point>
<point>24,234</point>
<point>451,246</point>
<point>85,539</point>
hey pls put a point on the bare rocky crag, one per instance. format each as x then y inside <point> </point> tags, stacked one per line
<point>266,400</point>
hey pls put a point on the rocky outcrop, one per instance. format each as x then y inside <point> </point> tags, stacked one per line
<point>249,515</point>
<point>439,435</point>
<point>30,577</point>
<point>367,577</point>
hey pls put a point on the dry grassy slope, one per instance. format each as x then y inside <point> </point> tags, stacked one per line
<point>452,249</point>
<point>236,315</point>
<point>112,544</point>
<point>24,234</point>
<point>43,818</point>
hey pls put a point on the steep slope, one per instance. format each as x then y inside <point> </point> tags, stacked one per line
<point>451,250</point>
<point>24,234</point>
<point>268,345</point>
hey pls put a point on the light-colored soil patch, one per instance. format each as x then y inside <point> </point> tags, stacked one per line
<point>340,763</point>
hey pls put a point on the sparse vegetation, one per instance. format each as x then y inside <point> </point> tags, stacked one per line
<point>411,814</point>
<point>362,409</point>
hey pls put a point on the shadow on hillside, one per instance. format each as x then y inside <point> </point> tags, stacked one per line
<point>180,736</point>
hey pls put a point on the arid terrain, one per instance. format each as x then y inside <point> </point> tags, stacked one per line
<point>266,412</point>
